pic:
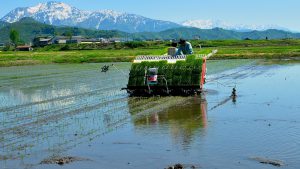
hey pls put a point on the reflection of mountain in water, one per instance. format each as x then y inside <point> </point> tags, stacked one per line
<point>54,107</point>
<point>182,120</point>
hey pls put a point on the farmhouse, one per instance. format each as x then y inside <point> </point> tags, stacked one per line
<point>46,40</point>
<point>42,41</point>
<point>93,41</point>
<point>66,39</point>
<point>59,40</point>
<point>118,40</point>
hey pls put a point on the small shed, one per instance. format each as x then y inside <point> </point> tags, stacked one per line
<point>24,48</point>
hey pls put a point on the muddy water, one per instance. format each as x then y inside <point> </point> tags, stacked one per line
<point>75,110</point>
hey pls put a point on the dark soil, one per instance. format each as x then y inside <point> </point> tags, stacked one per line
<point>61,160</point>
<point>276,163</point>
<point>181,166</point>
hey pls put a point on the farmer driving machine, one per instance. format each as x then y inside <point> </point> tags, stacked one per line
<point>167,75</point>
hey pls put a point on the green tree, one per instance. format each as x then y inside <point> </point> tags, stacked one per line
<point>14,37</point>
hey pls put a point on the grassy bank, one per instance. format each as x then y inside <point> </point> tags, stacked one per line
<point>74,56</point>
<point>227,49</point>
<point>254,49</point>
<point>263,52</point>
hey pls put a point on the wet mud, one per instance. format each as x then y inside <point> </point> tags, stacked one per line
<point>273,162</point>
<point>62,160</point>
<point>78,110</point>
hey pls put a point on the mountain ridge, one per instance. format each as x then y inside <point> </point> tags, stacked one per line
<point>61,14</point>
<point>29,28</point>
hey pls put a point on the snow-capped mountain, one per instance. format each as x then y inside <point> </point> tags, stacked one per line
<point>2,24</point>
<point>61,14</point>
<point>210,24</point>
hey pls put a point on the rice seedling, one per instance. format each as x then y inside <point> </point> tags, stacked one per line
<point>181,73</point>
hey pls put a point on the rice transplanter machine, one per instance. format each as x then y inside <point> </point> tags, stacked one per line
<point>167,75</point>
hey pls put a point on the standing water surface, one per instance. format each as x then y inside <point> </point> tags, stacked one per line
<point>75,110</point>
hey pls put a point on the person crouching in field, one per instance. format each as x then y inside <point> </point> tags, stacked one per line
<point>173,50</point>
<point>185,48</point>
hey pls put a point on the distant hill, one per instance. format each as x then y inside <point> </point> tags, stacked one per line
<point>271,34</point>
<point>29,28</point>
<point>210,24</point>
<point>62,14</point>
<point>216,34</point>
<point>193,33</point>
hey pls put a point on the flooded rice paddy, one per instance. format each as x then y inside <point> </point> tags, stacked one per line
<point>76,111</point>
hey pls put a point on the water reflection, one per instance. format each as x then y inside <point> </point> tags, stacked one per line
<point>57,119</point>
<point>56,111</point>
<point>183,121</point>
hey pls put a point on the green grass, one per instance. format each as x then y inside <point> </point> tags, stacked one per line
<point>76,56</point>
<point>253,49</point>
<point>227,49</point>
<point>264,52</point>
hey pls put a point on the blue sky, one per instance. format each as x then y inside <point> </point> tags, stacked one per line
<point>261,12</point>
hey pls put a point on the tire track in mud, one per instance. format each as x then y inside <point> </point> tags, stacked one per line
<point>50,113</point>
<point>56,70</point>
<point>89,93</point>
<point>52,89</point>
<point>138,110</point>
<point>43,114</point>
<point>40,107</point>
<point>60,122</point>
<point>42,124</point>
<point>39,123</point>
<point>55,115</point>
<point>51,72</point>
<point>64,80</point>
<point>68,76</point>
